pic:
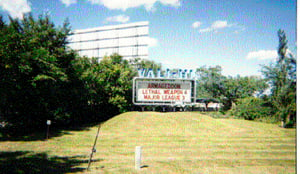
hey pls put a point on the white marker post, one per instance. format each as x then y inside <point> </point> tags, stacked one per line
<point>138,157</point>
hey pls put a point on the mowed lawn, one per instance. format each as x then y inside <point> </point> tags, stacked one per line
<point>180,142</point>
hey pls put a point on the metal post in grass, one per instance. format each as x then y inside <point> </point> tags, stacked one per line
<point>93,148</point>
<point>138,157</point>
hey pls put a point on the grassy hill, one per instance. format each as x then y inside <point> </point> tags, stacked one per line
<point>181,142</point>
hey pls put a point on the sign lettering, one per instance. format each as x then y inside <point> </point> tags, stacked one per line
<point>164,91</point>
<point>180,74</point>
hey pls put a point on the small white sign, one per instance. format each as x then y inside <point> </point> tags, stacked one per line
<point>48,122</point>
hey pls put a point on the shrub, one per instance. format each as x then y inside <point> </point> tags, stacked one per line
<point>289,124</point>
<point>252,108</point>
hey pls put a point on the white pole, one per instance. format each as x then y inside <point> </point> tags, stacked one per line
<point>138,157</point>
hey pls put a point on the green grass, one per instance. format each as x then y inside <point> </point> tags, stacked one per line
<point>181,142</point>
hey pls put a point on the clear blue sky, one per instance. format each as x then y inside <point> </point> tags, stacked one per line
<point>239,35</point>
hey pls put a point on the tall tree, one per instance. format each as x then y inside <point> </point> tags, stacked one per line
<point>34,68</point>
<point>109,82</point>
<point>282,79</point>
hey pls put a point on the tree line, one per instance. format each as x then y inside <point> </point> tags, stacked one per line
<point>246,97</point>
<point>41,79</point>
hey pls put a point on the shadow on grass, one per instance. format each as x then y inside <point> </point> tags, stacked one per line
<point>34,136</point>
<point>41,135</point>
<point>29,162</point>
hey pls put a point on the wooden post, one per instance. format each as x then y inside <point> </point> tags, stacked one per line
<point>282,123</point>
<point>138,157</point>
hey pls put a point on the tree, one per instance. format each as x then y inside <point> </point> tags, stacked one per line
<point>117,75</point>
<point>42,79</point>
<point>240,87</point>
<point>139,63</point>
<point>34,68</point>
<point>109,83</point>
<point>282,78</point>
<point>210,82</point>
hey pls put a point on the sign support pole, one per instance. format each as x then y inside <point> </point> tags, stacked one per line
<point>48,127</point>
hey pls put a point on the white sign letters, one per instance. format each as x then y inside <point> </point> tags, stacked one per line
<point>180,74</point>
<point>164,91</point>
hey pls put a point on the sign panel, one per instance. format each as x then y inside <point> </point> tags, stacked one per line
<point>164,91</point>
<point>155,91</point>
<point>129,40</point>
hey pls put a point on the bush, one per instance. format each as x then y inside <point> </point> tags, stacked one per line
<point>289,124</point>
<point>252,108</point>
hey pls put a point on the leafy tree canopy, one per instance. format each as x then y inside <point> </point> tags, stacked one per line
<point>212,84</point>
<point>34,68</point>
<point>281,76</point>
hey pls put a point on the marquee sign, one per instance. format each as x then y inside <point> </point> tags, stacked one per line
<point>180,74</point>
<point>162,91</point>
